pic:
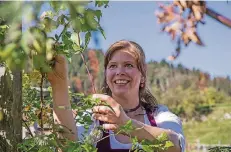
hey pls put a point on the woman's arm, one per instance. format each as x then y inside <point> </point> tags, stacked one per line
<point>62,111</point>
<point>148,132</point>
<point>61,104</point>
<point>116,118</point>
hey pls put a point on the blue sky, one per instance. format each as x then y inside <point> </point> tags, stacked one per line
<point>136,21</point>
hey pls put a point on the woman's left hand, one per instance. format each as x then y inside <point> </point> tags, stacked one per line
<point>113,116</point>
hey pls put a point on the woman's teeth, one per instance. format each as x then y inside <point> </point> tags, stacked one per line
<point>121,81</point>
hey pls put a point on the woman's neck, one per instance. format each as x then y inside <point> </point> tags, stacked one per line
<point>127,102</point>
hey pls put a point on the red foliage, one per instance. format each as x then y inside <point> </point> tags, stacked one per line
<point>203,81</point>
<point>93,66</point>
<point>77,84</point>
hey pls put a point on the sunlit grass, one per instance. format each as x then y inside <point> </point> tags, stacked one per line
<point>212,131</point>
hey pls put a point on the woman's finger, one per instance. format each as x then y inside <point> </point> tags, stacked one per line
<point>105,98</point>
<point>102,109</point>
<point>104,118</point>
<point>110,126</point>
<point>60,58</point>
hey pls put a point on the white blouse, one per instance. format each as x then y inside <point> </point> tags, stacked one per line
<point>164,119</point>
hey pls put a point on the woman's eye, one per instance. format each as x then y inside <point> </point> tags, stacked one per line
<point>129,65</point>
<point>112,66</point>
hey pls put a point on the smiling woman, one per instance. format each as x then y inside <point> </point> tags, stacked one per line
<point>126,59</point>
<point>126,92</point>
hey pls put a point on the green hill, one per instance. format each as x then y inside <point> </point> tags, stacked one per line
<point>214,130</point>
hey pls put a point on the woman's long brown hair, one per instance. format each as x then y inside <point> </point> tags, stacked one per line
<point>147,100</point>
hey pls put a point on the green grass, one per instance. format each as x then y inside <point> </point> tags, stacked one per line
<point>216,129</point>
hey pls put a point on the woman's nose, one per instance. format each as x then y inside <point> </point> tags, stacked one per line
<point>120,71</point>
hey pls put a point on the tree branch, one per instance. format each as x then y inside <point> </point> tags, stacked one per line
<point>27,127</point>
<point>220,18</point>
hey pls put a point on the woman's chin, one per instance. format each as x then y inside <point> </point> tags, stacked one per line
<point>120,93</point>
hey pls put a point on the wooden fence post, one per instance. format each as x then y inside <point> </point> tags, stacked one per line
<point>11,105</point>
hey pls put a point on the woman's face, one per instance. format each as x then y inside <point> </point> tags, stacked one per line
<point>122,75</point>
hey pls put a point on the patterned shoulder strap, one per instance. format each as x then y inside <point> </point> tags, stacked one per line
<point>151,118</point>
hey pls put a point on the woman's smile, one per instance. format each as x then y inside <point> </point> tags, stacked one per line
<point>122,74</point>
<point>121,82</point>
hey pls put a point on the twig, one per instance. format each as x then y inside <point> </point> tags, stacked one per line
<point>106,137</point>
<point>220,18</point>
<point>64,28</point>
<point>28,128</point>
<point>88,72</point>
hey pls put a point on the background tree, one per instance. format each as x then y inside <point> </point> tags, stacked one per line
<point>180,20</point>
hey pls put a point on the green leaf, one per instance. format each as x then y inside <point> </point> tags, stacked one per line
<point>168,144</point>
<point>162,137</point>
<point>57,6</point>
<point>98,14</point>
<point>90,18</point>
<point>37,46</point>
<point>76,48</point>
<point>4,26</point>
<point>100,3</point>
<point>102,32</point>
<point>77,24</point>
<point>50,14</point>
<point>49,23</point>
<point>80,9</point>
<point>75,38</point>
<point>66,38</point>
<point>43,149</point>
<point>61,19</point>
<point>39,62</point>
<point>7,51</point>
<point>56,37</point>
<point>128,127</point>
<point>69,59</point>
<point>87,39</point>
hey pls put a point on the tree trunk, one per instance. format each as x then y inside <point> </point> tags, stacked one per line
<point>11,105</point>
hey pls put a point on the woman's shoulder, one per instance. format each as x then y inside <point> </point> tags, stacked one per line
<point>166,119</point>
<point>161,108</point>
<point>163,114</point>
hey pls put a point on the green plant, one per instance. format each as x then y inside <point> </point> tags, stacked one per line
<point>33,51</point>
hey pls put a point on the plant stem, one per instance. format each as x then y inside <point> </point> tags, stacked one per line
<point>85,63</point>
<point>105,138</point>
<point>64,28</point>
<point>89,74</point>
<point>42,101</point>
<point>27,127</point>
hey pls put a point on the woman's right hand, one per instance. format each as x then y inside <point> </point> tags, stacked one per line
<point>59,74</point>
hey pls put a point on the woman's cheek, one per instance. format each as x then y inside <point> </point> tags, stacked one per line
<point>110,73</point>
<point>109,77</point>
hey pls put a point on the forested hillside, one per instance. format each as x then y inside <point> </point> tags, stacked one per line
<point>190,93</point>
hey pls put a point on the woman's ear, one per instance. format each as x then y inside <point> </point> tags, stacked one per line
<point>142,79</point>
<point>145,66</point>
<point>142,82</point>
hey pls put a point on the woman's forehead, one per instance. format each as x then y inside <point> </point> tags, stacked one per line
<point>123,54</point>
